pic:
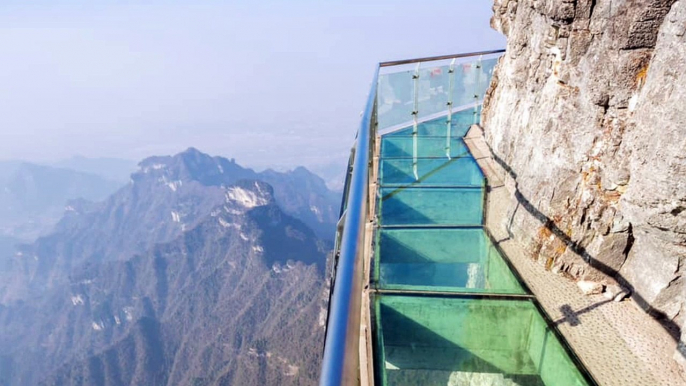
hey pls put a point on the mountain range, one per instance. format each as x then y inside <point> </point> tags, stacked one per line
<point>197,272</point>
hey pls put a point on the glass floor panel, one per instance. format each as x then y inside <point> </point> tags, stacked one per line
<point>402,147</point>
<point>430,206</point>
<point>463,171</point>
<point>456,341</point>
<point>459,126</point>
<point>440,259</point>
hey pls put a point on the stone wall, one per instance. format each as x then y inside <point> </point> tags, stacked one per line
<point>587,110</point>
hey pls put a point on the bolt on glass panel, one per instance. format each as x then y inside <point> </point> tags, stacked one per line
<point>485,74</point>
<point>467,79</point>
<point>395,99</point>
<point>434,90</point>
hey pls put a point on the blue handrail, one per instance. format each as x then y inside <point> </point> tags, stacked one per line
<point>342,333</point>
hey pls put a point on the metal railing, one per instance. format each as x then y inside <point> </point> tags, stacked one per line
<point>436,58</point>
<point>341,349</point>
<point>340,364</point>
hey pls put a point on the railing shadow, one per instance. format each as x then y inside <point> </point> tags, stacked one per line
<point>411,345</point>
<point>670,326</point>
<point>572,317</point>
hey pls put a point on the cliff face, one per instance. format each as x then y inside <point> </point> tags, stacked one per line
<point>587,112</point>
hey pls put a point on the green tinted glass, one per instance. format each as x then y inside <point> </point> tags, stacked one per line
<point>430,239</point>
<point>460,123</point>
<point>453,259</point>
<point>402,147</point>
<point>430,206</point>
<point>455,341</point>
<point>463,171</point>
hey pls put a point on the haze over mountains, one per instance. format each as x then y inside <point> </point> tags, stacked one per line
<point>114,169</point>
<point>33,196</point>
<point>197,271</point>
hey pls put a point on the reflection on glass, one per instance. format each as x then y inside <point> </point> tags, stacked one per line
<point>456,341</point>
<point>466,86</point>
<point>395,98</point>
<point>432,91</point>
<point>403,146</point>
<point>484,75</point>
<point>430,206</point>
<point>462,171</point>
<point>453,259</point>
<point>460,123</point>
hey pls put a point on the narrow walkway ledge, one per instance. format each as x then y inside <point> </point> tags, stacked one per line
<point>617,342</point>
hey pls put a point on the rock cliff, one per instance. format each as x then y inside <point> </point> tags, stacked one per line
<point>586,112</point>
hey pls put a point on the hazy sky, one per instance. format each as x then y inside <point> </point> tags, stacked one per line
<point>266,82</point>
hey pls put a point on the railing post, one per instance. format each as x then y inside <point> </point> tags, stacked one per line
<point>415,114</point>
<point>449,122</point>
<point>477,86</point>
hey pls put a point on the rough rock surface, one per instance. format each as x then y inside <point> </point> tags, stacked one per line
<point>586,112</point>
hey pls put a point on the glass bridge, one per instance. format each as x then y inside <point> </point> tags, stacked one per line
<point>421,294</point>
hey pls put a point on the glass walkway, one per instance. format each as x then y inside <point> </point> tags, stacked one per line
<point>442,303</point>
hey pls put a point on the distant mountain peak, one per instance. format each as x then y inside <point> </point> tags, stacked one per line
<point>192,150</point>
<point>193,156</point>
<point>194,165</point>
<point>302,170</point>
